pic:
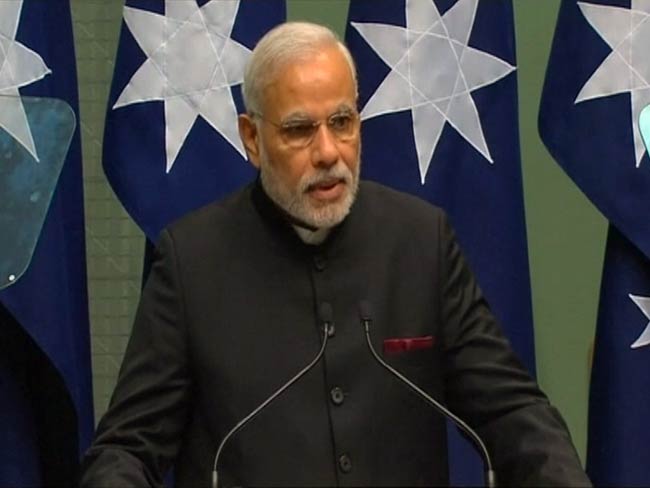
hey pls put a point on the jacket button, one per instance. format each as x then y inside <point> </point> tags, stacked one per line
<point>345,464</point>
<point>320,263</point>
<point>336,394</point>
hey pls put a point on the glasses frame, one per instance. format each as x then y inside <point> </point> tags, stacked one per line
<point>314,125</point>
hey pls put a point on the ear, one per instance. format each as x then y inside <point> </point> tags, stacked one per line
<point>250,137</point>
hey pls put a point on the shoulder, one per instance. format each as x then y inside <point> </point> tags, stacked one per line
<point>213,215</point>
<point>395,208</point>
<point>209,227</point>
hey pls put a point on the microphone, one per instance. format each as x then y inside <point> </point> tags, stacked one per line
<point>365,314</point>
<point>325,317</point>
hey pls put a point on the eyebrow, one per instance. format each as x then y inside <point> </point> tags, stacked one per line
<point>303,116</point>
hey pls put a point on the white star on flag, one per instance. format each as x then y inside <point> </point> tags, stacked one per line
<point>644,305</point>
<point>191,64</point>
<point>19,66</point>
<point>627,68</point>
<point>433,73</point>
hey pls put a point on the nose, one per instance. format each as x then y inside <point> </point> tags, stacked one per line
<point>325,151</point>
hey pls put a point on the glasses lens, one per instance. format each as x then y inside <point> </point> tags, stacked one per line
<point>298,133</point>
<point>343,125</point>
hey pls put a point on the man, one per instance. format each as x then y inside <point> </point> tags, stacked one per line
<point>234,307</point>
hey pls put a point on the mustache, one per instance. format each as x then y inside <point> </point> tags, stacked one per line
<point>338,172</point>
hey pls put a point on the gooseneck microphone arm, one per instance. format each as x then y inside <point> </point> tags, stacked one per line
<point>325,316</point>
<point>365,313</point>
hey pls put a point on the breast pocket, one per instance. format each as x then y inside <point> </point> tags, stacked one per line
<point>417,359</point>
<point>409,351</point>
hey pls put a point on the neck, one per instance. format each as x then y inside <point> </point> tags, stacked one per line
<point>313,237</point>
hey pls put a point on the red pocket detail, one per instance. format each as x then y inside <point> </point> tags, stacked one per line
<point>405,344</point>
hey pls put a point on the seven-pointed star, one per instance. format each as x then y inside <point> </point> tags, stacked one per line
<point>644,304</point>
<point>191,64</point>
<point>433,73</point>
<point>627,67</point>
<point>19,66</point>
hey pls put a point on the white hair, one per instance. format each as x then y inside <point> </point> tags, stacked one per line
<point>285,43</point>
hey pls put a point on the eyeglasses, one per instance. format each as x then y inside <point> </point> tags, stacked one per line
<point>298,133</point>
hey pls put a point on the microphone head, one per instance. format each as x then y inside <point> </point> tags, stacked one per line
<point>325,313</point>
<point>365,311</point>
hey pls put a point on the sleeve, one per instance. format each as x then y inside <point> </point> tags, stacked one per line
<point>488,386</point>
<point>139,436</point>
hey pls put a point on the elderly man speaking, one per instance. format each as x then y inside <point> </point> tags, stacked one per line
<point>266,318</point>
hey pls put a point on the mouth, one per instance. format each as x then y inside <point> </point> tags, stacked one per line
<point>327,190</point>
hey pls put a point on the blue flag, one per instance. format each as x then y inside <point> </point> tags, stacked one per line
<point>45,373</point>
<point>596,86</point>
<point>619,405</point>
<point>439,107</point>
<point>171,142</point>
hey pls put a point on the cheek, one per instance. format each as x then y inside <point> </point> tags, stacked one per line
<point>350,155</point>
<point>289,166</point>
<point>297,165</point>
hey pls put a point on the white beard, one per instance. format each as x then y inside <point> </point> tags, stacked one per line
<point>296,202</point>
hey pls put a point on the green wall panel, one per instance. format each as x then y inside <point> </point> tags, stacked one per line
<point>566,237</point>
<point>332,13</point>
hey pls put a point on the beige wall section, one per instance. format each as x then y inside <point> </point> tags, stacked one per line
<point>565,233</point>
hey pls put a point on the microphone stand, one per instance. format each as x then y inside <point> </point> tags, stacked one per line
<point>326,317</point>
<point>490,476</point>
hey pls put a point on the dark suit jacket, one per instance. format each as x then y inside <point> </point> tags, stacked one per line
<point>229,313</point>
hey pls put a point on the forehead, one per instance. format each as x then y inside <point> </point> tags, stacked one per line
<point>315,85</point>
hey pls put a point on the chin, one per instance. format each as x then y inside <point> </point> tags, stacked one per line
<point>327,215</point>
